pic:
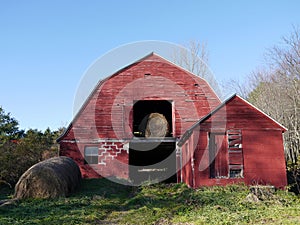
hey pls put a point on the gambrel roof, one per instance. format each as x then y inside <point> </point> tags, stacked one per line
<point>151,57</point>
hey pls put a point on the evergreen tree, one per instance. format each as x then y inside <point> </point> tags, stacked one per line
<point>9,128</point>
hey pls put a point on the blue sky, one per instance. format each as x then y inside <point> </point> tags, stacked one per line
<point>46,46</point>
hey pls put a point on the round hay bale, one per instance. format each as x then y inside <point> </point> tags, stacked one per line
<point>157,126</point>
<point>52,178</point>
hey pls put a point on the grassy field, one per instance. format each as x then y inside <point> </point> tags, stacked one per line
<point>104,202</point>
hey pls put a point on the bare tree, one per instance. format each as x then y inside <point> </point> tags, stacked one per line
<point>232,86</point>
<point>193,57</point>
<point>277,90</point>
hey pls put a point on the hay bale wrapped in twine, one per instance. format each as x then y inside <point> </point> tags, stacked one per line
<point>52,178</point>
<point>157,126</point>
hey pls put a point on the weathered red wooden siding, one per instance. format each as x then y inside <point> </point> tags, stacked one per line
<point>187,170</point>
<point>107,115</point>
<point>202,162</point>
<point>166,82</point>
<point>264,157</point>
<point>262,144</point>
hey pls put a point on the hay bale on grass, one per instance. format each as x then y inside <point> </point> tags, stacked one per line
<point>55,177</point>
<point>157,126</point>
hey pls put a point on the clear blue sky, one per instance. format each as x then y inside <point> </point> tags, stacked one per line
<point>46,46</point>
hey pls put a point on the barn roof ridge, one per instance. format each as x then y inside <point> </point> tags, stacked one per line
<point>189,132</point>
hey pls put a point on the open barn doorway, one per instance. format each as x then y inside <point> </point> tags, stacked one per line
<point>144,108</point>
<point>152,162</point>
<point>152,153</point>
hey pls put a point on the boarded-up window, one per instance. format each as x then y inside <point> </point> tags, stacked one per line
<point>91,155</point>
<point>218,155</point>
<point>226,154</point>
<point>235,153</point>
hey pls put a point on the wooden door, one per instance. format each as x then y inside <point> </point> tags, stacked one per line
<point>218,155</point>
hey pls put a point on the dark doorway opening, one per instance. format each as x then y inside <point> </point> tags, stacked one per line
<point>152,161</point>
<point>143,108</point>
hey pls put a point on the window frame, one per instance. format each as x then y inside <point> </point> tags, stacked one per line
<point>235,147</point>
<point>93,157</point>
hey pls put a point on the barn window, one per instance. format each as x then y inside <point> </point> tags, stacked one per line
<point>236,173</point>
<point>91,155</point>
<point>235,153</point>
<point>226,154</point>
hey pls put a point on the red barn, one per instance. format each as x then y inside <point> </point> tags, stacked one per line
<point>155,120</point>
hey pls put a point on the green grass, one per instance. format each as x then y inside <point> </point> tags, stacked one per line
<point>103,202</point>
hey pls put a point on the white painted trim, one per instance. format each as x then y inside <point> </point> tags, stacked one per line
<point>262,112</point>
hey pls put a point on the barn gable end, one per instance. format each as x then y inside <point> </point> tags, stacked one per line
<point>236,142</point>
